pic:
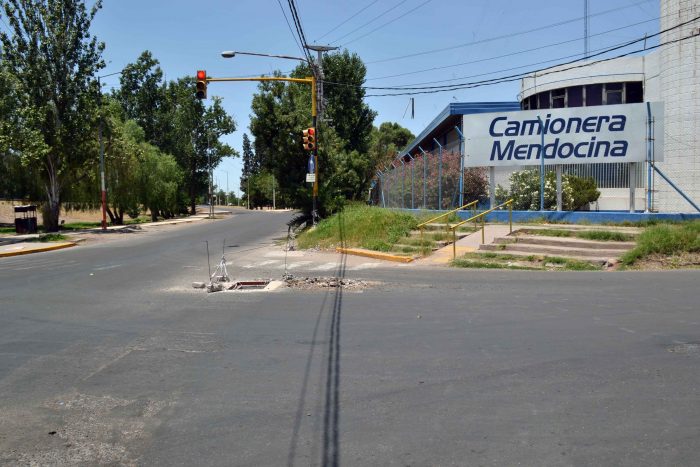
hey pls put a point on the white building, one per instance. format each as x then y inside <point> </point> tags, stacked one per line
<point>669,74</point>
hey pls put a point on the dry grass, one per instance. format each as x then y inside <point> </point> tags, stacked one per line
<point>7,214</point>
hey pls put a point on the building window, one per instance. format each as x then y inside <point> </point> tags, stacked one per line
<point>544,100</point>
<point>575,96</point>
<point>594,94</point>
<point>634,92</point>
<point>613,93</point>
<point>559,98</point>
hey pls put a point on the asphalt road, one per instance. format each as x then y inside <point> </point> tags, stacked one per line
<point>108,357</point>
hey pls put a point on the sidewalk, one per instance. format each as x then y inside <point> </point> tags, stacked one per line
<point>15,245</point>
<point>467,244</point>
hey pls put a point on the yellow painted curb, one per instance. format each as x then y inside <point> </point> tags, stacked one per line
<point>56,246</point>
<point>374,254</point>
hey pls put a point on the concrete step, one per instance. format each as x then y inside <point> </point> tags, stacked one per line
<point>591,259</point>
<point>545,250</point>
<point>565,242</point>
<point>583,228</point>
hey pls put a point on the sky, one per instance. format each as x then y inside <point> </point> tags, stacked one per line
<point>402,43</point>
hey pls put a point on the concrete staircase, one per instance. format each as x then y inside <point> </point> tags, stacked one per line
<point>523,243</point>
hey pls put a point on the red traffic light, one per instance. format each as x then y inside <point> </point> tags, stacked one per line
<point>201,92</point>
<point>309,138</point>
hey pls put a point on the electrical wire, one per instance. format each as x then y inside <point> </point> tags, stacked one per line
<point>300,31</point>
<point>290,26</point>
<point>504,36</point>
<point>386,24</point>
<point>348,19</point>
<point>462,85</point>
<point>538,73</point>
<point>520,52</point>
<point>370,21</point>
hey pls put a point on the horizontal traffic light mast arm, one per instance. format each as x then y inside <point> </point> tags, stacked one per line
<point>310,80</point>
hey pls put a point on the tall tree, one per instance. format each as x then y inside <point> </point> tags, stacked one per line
<point>281,111</point>
<point>386,140</point>
<point>51,52</point>
<point>249,163</point>
<point>194,135</point>
<point>142,96</point>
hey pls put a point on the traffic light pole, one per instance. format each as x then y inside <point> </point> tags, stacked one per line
<point>311,81</point>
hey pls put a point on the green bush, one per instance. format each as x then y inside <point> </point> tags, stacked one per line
<point>577,192</point>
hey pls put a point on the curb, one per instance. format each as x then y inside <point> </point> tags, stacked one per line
<point>57,246</point>
<point>374,254</point>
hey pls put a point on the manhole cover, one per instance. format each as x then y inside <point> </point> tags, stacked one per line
<point>686,349</point>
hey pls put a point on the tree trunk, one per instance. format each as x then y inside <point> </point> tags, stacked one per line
<point>154,215</point>
<point>52,208</point>
<point>111,215</point>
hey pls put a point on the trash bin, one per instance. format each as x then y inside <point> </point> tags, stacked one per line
<point>25,219</point>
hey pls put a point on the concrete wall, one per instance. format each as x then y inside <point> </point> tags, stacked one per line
<point>680,90</point>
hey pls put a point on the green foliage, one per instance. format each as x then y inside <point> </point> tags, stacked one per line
<point>525,191</point>
<point>282,110</point>
<point>604,235</point>
<point>583,191</point>
<point>360,226</point>
<point>50,52</point>
<point>386,141</point>
<point>160,177</point>
<point>665,239</point>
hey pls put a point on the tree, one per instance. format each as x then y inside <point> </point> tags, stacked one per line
<point>54,58</point>
<point>386,141</point>
<point>281,111</point>
<point>142,96</point>
<point>249,163</point>
<point>194,134</point>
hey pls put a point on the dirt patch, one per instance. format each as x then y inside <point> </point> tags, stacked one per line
<point>314,283</point>
<point>657,262</point>
<point>7,213</point>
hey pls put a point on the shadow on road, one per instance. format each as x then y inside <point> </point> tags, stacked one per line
<point>330,454</point>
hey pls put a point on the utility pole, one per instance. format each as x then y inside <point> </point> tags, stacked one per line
<point>319,49</point>
<point>318,73</point>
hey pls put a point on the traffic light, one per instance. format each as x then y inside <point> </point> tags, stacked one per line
<point>309,139</point>
<point>201,84</point>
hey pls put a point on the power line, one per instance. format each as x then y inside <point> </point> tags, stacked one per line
<point>370,21</point>
<point>387,23</point>
<point>514,77</point>
<point>348,19</point>
<point>290,26</point>
<point>511,78</point>
<point>504,36</point>
<point>510,54</point>
<point>300,30</point>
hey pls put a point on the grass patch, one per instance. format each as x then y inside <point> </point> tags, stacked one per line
<point>476,264</point>
<point>551,232</point>
<point>571,264</point>
<point>360,226</point>
<point>52,237</point>
<point>605,236</point>
<point>665,239</point>
<point>81,225</point>
<point>7,230</point>
<point>600,235</point>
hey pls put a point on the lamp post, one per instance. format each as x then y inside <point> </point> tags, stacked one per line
<point>315,103</point>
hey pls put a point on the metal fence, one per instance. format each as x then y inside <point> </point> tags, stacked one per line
<point>427,181</point>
